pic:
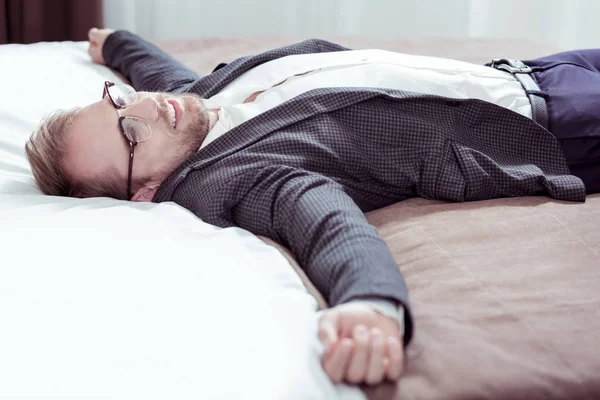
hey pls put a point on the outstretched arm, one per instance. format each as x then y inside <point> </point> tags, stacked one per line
<point>339,251</point>
<point>147,67</point>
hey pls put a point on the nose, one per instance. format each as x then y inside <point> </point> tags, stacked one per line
<point>146,108</point>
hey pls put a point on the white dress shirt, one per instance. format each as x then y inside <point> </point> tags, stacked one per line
<point>270,84</point>
<point>360,68</point>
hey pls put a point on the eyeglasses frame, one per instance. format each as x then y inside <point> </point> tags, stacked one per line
<point>132,144</point>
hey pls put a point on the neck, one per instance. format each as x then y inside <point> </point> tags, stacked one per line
<point>213,117</point>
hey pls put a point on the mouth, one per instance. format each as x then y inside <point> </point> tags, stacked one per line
<point>175,111</point>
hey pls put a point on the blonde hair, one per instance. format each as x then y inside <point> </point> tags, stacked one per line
<point>45,151</point>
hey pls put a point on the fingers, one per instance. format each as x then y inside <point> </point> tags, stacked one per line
<point>386,364</point>
<point>96,38</point>
<point>335,364</point>
<point>360,357</point>
<point>396,359</point>
<point>328,331</point>
<point>375,369</point>
<point>359,348</point>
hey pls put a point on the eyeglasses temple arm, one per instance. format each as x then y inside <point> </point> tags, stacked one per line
<point>132,147</point>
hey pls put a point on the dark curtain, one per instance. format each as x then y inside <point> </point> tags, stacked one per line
<point>29,21</point>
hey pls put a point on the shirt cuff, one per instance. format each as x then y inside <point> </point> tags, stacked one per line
<point>387,308</point>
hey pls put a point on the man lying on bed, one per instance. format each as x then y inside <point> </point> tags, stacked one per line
<point>297,143</point>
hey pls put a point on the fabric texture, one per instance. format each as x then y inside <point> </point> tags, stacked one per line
<point>505,294</point>
<point>280,175</point>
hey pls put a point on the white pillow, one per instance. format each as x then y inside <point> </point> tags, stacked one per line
<point>105,299</point>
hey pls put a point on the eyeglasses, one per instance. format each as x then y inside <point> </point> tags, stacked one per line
<point>135,130</point>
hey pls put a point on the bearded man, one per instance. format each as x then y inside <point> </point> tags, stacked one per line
<point>298,142</point>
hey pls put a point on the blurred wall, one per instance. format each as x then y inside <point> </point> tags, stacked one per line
<point>567,23</point>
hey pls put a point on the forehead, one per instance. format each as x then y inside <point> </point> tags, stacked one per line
<point>94,142</point>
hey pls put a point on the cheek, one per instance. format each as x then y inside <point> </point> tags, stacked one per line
<point>115,154</point>
<point>153,151</point>
<point>91,161</point>
<point>160,129</point>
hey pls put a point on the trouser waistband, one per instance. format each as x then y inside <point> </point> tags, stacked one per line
<point>522,73</point>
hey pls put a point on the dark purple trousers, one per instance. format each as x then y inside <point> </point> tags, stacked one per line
<point>570,82</point>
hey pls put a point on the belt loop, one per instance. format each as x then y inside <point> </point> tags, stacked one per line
<point>510,65</point>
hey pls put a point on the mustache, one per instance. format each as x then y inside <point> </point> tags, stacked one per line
<point>197,123</point>
<point>164,106</point>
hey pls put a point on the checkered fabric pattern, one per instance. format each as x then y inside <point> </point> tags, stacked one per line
<point>304,172</point>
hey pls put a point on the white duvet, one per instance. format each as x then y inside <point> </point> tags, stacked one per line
<point>104,299</point>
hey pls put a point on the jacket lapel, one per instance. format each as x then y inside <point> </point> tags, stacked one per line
<point>307,105</point>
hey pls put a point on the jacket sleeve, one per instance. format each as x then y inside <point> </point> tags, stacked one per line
<point>341,253</point>
<point>215,82</point>
<point>147,67</point>
<point>150,69</point>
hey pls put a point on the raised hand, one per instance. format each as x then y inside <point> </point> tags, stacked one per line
<point>97,37</point>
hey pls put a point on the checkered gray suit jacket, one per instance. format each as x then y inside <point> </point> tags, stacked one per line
<point>303,173</point>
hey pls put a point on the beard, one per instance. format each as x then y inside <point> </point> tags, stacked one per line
<point>196,128</point>
<point>190,137</point>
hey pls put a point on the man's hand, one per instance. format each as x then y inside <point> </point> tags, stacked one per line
<point>361,345</point>
<point>97,38</point>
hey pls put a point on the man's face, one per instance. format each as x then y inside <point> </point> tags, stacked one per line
<point>96,146</point>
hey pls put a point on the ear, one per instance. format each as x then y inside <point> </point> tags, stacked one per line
<point>145,193</point>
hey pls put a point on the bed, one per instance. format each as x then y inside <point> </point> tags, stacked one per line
<point>504,292</point>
